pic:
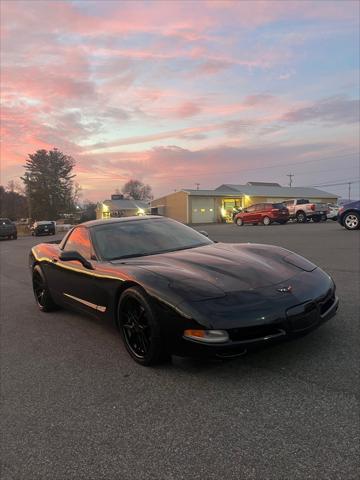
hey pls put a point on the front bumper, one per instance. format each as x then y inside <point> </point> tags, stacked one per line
<point>298,320</point>
<point>7,233</point>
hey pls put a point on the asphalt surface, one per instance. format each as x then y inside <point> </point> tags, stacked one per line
<point>75,406</point>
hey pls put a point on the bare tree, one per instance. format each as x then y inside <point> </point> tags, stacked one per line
<point>137,190</point>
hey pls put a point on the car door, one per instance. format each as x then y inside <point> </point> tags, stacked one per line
<point>249,215</point>
<point>75,284</point>
<point>258,214</point>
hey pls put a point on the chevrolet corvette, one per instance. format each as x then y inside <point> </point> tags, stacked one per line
<point>171,290</point>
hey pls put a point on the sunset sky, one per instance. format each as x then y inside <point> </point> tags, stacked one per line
<point>175,93</point>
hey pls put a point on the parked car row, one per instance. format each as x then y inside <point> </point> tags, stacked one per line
<point>8,229</point>
<point>299,210</point>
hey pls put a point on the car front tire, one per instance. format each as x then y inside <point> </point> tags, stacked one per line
<point>239,222</point>
<point>351,221</point>
<point>266,221</point>
<point>139,328</point>
<point>41,291</point>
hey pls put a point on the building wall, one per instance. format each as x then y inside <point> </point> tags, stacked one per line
<point>103,212</point>
<point>175,206</point>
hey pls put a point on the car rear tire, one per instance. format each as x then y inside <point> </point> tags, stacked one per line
<point>266,221</point>
<point>139,328</point>
<point>301,217</point>
<point>351,221</point>
<point>239,222</point>
<point>41,291</point>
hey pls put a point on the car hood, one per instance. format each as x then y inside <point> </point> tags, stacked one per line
<point>222,267</point>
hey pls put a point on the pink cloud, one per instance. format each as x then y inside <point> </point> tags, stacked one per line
<point>120,74</point>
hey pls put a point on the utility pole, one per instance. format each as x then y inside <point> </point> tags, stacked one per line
<point>349,191</point>
<point>197,186</point>
<point>290,175</point>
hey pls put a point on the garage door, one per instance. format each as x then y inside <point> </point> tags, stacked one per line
<point>203,210</point>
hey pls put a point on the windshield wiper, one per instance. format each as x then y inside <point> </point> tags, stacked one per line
<point>145,254</point>
<point>133,255</point>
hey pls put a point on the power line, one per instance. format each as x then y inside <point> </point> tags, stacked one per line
<point>336,184</point>
<point>337,157</point>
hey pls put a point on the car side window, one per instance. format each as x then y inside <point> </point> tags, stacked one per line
<point>79,241</point>
<point>251,209</point>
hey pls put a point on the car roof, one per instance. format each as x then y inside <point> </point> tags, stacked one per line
<point>107,221</point>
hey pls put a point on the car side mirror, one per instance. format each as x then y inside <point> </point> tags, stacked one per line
<point>203,233</point>
<point>73,255</point>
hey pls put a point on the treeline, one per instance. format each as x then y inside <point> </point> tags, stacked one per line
<point>13,205</point>
<point>49,191</point>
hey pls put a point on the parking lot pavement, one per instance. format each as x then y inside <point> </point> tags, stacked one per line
<point>75,406</point>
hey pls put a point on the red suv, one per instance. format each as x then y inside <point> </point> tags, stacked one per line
<point>265,213</point>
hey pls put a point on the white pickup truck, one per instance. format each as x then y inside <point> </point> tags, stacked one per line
<point>301,210</point>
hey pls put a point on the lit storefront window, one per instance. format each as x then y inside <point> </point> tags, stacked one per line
<point>229,207</point>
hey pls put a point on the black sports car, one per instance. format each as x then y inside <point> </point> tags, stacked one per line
<point>171,290</point>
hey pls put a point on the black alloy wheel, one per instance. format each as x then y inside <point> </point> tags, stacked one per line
<point>41,291</point>
<point>301,217</point>
<point>139,328</point>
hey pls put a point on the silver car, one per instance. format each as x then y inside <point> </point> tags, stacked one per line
<point>333,211</point>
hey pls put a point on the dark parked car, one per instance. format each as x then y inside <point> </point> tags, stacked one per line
<point>7,229</point>
<point>349,215</point>
<point>171,290</point>
<point>43,228</point>
<point>265,213</point>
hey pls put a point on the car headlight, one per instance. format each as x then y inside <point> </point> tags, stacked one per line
<point>207,336</point>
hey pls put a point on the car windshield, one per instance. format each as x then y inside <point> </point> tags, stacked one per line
<point>144,237</point>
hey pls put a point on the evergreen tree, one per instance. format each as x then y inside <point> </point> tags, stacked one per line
<point>49,184</point>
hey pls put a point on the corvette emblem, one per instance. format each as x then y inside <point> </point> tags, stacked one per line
<point>285,289</point>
